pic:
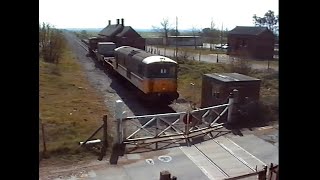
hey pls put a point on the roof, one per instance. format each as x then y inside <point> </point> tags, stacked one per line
<point>142,55</point>
<point>127,29</point>
<point>154,59</point>
<point>231,77</point>
<point>117,30</point>
<point>111,30</point>
<point>248,30</point>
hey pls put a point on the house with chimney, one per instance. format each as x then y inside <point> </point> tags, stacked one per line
<point>122,35</point>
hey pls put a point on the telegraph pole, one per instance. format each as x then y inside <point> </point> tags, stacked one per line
<point>221,34</point>
<point>220,41</point>
<point>176,37</point>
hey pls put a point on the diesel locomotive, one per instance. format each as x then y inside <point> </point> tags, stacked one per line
<point>155,76</point>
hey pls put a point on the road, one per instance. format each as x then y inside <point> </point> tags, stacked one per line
<point>208,160</point>
<point>211,58</point>
<point>218,158</point>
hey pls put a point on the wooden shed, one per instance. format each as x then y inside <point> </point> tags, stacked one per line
<point>216,88</point>
<point>251,42</point>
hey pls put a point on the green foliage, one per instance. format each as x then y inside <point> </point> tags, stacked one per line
<point>83,34</point>
<point>190,71</point>
<point>269,20</point>
<point>214,35</point>
<point>51,43</point>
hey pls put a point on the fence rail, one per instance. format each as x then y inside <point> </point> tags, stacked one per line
<point>157,128</point>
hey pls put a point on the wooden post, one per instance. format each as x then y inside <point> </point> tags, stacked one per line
<point>277,175</point>
<point>263,174</point>
<point>165,175</point>
<point>217,58</point>
<point>188,128</point>
<point>104,138</point>
<point>44,153</point>
<point>157,124</point>
<point>270,171</point>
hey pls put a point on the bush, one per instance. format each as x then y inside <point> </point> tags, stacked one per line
<point>241,66</point>
<point>51,42</point>
<point>183,55</point>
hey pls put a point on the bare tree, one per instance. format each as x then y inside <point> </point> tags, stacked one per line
<point>164,29</point>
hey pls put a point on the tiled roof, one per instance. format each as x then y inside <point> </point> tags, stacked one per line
<point>248,30</point>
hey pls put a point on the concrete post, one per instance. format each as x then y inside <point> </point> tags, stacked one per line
<point>118,115</point>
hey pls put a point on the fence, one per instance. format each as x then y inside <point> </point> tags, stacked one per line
<point>161,130</point>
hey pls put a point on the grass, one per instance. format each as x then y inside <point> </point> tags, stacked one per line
<point>272,63</point>
<point>70,109</point>
<point>191,72</point>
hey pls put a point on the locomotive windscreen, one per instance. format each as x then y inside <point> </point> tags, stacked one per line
<point>161,70</point>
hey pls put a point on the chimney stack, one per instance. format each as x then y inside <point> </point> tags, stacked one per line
<point>118,21</point>
<point>122,22</point>
<point>109,22</point>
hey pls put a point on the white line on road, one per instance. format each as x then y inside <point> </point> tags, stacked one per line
<point>197,164</point>
<point>246,151</point>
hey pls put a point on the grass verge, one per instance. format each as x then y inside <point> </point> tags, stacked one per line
<point>191,72</point>
<point>70,109</point>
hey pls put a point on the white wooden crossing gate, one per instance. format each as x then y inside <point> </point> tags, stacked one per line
<point>149,132</point>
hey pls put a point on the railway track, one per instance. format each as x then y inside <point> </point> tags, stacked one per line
<point>83,45</point>
<point>219,158</point>
<point>217,154</point>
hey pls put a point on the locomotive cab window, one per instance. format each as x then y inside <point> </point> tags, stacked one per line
<point>161,71</point>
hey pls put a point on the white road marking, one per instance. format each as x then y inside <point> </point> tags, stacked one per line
<point>247,152</point>
<point>165,158</point>
<point>150,161</point>
<point>197,164</point>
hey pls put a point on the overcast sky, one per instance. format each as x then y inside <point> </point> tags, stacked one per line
<point>143,14</point>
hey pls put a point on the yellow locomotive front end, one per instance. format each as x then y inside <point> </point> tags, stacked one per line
<point>161,79</point>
